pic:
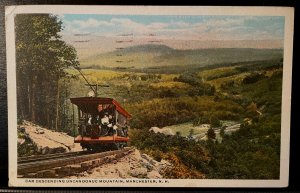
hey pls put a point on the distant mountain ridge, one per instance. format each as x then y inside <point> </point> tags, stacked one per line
<point>152,55</point>
<point>147,48</point>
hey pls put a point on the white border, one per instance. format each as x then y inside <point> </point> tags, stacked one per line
<point>288,13</point>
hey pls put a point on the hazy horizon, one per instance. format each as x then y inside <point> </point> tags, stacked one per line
<point>95,34</point>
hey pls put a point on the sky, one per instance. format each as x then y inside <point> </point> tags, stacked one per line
<point>183,27</point>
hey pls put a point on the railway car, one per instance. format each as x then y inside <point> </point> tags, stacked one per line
<point>102,123</point>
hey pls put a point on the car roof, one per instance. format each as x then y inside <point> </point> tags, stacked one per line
<point>90,104</point>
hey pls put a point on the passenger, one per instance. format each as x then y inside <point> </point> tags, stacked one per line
<point>125,130</point>
<point>104,124</point>
<point>115,128</point>
<point>110,129</point>
<point>100,108</point>
<point>94,120</point>
<point>105,119</point>
<point>110,117</point>
<point>90,120</point>
<point>83,130</point>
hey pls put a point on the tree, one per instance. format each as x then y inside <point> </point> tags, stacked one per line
<point>211,133</point>
<point>178,134</point>
<point>251,110</point>
<point>214,121</point>
<point>253,77</point>
<point>222,132</point>
<point>41,59</point>
<point>191,133</point>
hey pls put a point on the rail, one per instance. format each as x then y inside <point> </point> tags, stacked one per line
<point>35,158</point>
<point>26,167</point>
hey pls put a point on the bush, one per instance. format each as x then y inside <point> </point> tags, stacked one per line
<point>199,87</point>
<point>253,77</point>
<point>211,133</point>
<point>215,122</point>
<point>188,157</point>
<point>207,119</point>
<point>166,93</point>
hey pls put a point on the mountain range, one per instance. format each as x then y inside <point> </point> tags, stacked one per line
<point>155,55</point>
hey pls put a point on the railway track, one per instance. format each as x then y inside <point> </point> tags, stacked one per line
<point>60,165</point>
<point>31,159</point>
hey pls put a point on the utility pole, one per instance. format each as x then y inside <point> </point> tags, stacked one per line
<point>94,87</point>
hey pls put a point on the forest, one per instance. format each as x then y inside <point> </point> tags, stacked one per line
<point>252,152</point>
<point>244,92</point>
<point>41,58</point>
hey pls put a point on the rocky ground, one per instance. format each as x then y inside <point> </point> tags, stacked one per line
<point>165,131</point>
<point>134,165</point>
<point>46,141</point>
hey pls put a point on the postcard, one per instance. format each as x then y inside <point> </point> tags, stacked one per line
<point>149,96</point>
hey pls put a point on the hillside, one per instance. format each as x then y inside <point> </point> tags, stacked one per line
<point>148,55</point>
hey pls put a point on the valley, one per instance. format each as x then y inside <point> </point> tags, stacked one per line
<point>185,101</point>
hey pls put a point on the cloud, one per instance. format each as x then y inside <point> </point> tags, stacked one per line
<point>91,23</point>
<point>225,22</point>
<point>157,26</point>
<point>128,26</point>
<point>210,28</point>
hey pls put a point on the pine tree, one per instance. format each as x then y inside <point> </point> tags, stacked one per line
<point>41,59</point>
<point>211,133</point>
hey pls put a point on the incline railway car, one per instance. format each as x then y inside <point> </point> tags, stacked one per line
<point>103,123</point>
